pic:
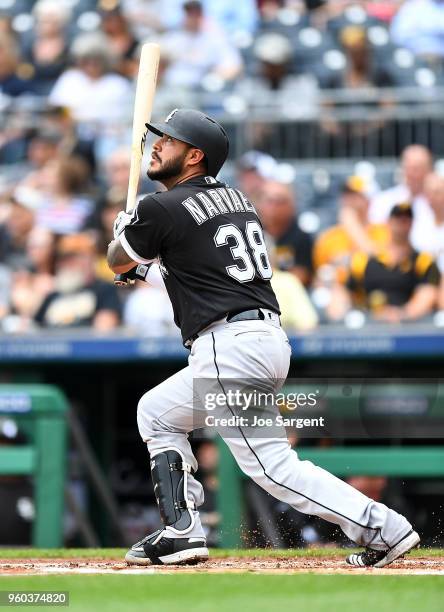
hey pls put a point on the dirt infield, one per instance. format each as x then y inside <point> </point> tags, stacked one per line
<point>268,565</point>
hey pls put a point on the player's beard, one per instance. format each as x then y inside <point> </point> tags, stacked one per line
<point>169,169</point>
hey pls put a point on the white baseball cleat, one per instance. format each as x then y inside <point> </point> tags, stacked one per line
<point>380,558</point>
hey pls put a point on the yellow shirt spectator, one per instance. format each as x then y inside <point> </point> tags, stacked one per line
<point>335,247</point>
<point>297,312</point>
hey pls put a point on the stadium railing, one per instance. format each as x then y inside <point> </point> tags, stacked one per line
<point>369,122</point>
<point>40,411</point>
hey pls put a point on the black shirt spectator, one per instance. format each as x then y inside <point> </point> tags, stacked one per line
<point>79,307</point>
<point>292,246</point>
<point>79,299</point>
<point>378,283</point>
<point>396,284</point>
<point>293,249</point>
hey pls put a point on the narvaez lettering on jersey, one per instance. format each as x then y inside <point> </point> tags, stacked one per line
<point>219,201</point>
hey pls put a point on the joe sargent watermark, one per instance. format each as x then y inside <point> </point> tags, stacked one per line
<point>251,401</point>
<point>334,408</point>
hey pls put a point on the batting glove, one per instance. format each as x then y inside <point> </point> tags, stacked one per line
<point>139,272</point>
<point>121,221</point>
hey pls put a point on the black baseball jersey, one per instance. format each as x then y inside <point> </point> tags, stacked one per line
<point>209,243</point>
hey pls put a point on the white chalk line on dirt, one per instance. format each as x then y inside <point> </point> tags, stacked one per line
<point>54,570</point>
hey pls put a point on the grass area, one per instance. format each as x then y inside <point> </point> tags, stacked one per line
<point>246,592</point>
<point>217,553</point>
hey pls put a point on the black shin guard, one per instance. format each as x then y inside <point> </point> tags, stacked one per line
<point>170,478</point>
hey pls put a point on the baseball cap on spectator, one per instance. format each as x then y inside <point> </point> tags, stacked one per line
<point>273,48</point>
<point>356,184</point>
<point>76,244</point>
<point>402,210</point>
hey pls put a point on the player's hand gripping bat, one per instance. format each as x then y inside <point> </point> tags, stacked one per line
<point>143,104</point>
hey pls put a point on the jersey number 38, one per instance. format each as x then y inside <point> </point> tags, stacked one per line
<point>248,264</point>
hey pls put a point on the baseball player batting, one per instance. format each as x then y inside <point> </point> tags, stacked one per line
<point>208,241</point>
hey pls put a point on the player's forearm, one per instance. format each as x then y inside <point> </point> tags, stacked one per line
<point>117,258</point>
<point>421,304</point>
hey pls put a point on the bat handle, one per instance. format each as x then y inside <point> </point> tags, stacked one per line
<point>122,280</point>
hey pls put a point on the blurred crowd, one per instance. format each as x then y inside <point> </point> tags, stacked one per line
<point>67,78</point>
<point>381,260</point>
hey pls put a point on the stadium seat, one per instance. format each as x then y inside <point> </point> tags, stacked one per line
<point>310,45</point>
<point>353,15</point>
<point>15,7</point>
<point>402,64</point>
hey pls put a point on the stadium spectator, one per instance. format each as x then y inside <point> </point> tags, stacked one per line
<point>398,284</point>
<point>200,50</point>
<point>416,164</point>
<point>64,206</point>
<point>383,10</point>
<point>360,71</point>
<point>253,167</point>
<point>73,139</point>
<point>292,250</point>
<point>91,92</point>
<point>428,232</point>
<point>147,17</point>
<point>168,97</point>
<point>335,246</point>
<point>272,81</point>
<point>270,12</point>
<point>360,74</point>
<point>47,52</point>
<point>32,283</point>
<point>297,311</point>
<point>30,263</point>
<point>274,53</point>
<point>16,223</point>
<point>6,25</point>
<point>15,78</point>
<point>419,26</point>
<point>121,40</point>
<point>232,16</point>
<point>40,250</point>
<point>103,222</point>
<point>79,298</point>
<point>43,147</point>
<point>5,284</point>
<point>117,168</point>
<point>157,320</point>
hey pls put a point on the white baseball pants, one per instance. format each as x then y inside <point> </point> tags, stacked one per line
<point>258,349</point>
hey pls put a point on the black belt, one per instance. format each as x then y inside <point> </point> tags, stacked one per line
<point>245,315</point>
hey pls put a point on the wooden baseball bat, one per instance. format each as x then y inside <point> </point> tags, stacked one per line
<point>143,105</point>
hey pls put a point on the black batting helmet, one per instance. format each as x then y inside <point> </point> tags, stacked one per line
<point>198,130</point>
